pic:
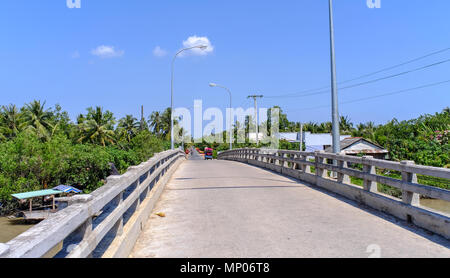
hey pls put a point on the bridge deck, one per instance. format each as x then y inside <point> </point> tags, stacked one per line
<point>230,209</point>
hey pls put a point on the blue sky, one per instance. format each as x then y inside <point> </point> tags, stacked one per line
<point>50,52</point>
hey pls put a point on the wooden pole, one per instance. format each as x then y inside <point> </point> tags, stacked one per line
<point>53,197</point>
<point>31,205</point>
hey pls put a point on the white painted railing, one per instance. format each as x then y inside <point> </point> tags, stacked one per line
<point>331,171</point>
<point>91,225</point>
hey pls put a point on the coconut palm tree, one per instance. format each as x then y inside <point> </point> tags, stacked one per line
<point>156,123</point>
<point>98,127</point>
<point>10,121</point>
<point>129,127</point>
<point>346,126</point>
<point>311,127</point>
<point>165,121</point>
<point>160,123</point>
<point>37,119</point>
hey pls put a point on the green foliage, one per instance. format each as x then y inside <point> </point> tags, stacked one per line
<point>41,148</point>
<point>423,140</point>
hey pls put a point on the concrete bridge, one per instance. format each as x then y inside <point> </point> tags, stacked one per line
<point>249,203</point>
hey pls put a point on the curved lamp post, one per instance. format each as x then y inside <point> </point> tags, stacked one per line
<point>229,92</point>
<point>202,47</point>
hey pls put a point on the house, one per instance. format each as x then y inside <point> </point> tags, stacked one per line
<point>312,141</point>
<point>359,145</point>
<point>292,137</point>
<point>252,136</point>
<point>319,141</point>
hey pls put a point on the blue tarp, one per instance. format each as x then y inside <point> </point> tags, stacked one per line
<point>67,189</point>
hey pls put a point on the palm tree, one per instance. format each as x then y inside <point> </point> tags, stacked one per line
<point>38,119</point>
<point>311,127</point>
<point>160,123</point>
<point>346,126</point>
<point>156,123</point>
<point>165,121</point>
<point>129,127</point>
<point>10,121</point>
<point>98,127</point>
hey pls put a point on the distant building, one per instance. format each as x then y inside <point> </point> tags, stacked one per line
<point>359,145</point>
<point>293,137</point>
<point>319,141</point>
<point>312,141</point>
<point>252,136</point>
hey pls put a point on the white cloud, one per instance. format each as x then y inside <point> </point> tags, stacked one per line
<point>159,52</point>
<point>105,51</point>
<point>195,41</point>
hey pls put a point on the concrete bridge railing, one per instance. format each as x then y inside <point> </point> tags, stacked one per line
<point>317,168</point>
<point>105,223</point>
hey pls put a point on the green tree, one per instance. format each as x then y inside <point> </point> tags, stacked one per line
<point>98,127</point>
<point>156,123</point>
<point>10,121</point>
<point>37,119</point>
<point>129,127</point>
<point>345,125</point>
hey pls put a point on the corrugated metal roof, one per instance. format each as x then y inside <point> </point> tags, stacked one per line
<point>320,139</point>
<point>32,194</point>
<point>348,142</point>
<point>289,136</point>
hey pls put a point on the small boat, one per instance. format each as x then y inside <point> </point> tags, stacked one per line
<point>37,214</point>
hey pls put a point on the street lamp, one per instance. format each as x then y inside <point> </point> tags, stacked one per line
<point>202,47</point>
<point>229,92</point>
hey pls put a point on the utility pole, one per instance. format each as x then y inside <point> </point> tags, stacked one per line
<point>334,96</point>
<point>301,137</point>
<point>142,117</point>
<point>256,114</point>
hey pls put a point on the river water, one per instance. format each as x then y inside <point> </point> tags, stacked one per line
<point>9,229</point>
<point>438,205</point>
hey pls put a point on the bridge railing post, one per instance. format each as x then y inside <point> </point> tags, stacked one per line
<point>295,157</point>
<point>307,167</point>
<point>285,163</point>
<point>320,172</point>
<point>342,163</point>
<point>84,230</point>
<point>409,197</point>
<point>119,224</point>
<point>369,168</point>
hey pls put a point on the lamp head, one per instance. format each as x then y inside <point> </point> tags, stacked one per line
<point>212,85</point>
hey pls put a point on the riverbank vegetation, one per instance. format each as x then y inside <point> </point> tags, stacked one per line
<point>41,148</point>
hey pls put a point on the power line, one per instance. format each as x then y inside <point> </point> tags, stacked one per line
<point>376,96</point>
<point>308,92</point>
<point>373,80</point>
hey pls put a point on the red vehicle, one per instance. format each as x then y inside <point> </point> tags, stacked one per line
<point>208,153</point>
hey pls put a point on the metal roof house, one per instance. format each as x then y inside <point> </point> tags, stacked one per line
<point>313,141</point>
<point>293,137</point>
<point>319,141</point>
<point>359,145</point>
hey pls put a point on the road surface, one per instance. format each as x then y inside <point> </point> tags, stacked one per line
<point>230,209</point>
